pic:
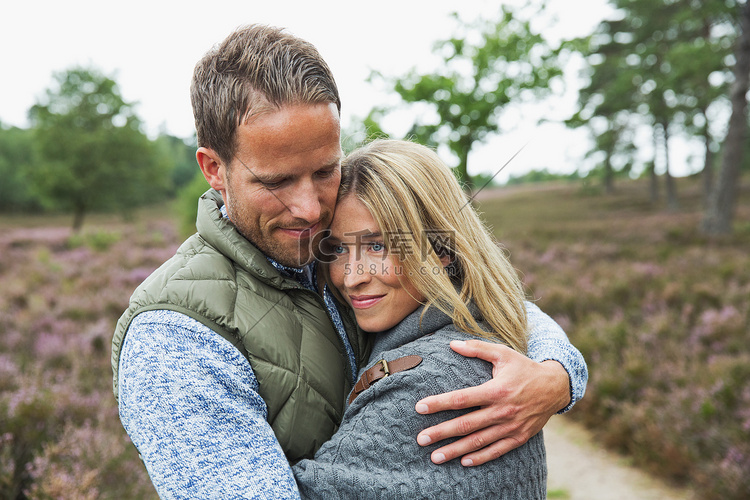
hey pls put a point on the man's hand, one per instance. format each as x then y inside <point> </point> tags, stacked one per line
<point>513,406</point>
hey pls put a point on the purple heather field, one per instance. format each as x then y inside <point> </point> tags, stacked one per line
<point>661,314</point>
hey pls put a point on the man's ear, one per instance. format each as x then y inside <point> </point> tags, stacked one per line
<point>212,167</point>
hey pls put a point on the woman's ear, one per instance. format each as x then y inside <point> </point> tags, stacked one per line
<point>445,260</point>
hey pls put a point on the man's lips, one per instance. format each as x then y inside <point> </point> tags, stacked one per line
<point>364,301</point>
<point>301,233</point>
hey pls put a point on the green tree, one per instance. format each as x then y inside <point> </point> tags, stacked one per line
<point>487,65</point>
<point>657,63</point>
<point>721,204</point>
<point>700,59</point>
<point>181,155</point>
<point>540,176</point>
<point>364,130</point>
<point>17,154</point>
<point>187,203</point>
<point>93,155</point>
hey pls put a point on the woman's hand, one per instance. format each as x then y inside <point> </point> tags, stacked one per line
<point>513,406</point>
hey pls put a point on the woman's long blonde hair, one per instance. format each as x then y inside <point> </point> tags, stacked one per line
<point>424,215</point>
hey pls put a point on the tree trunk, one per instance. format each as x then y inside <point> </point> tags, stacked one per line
<point>708,168</point>
<point>654,180</point>
<point>672,203</point>
<point>609,186</point>
<point>718,216</point>
<point>78,213</point>
<point>462,169</point>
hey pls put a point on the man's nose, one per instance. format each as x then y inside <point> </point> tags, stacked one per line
<point>304,203</point>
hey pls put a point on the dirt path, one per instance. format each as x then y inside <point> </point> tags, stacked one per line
<point>581,470</point>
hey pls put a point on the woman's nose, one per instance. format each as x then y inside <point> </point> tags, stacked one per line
<point>357,271</point>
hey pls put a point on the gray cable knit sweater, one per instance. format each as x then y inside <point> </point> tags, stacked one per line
<point>374,454</point>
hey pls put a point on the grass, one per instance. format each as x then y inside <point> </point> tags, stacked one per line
<point>560,494</point>
<point>661,314</point>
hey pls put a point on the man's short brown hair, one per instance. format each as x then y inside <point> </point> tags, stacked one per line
<point>255,69</point>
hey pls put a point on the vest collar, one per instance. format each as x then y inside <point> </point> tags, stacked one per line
<point>220,233</point>
<point>302,274</point>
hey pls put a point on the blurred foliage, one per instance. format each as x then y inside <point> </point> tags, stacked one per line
<point>655,63</point>
<point>486,65</point>
<point>17,154</point>
<point>99,241</point>
<point>92,154</point>
<point>483,180</point>
<point>181,154</point>
<point>543,175</point>
<point>360,133</point>
<point>85,153</point>
<point>663,66</point>
<point>187,203</point>
<point>667,66</point>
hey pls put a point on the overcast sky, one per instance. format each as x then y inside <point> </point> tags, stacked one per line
<point>151,47</point>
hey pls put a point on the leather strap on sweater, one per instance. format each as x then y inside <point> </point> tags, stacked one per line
<point>382,369</point>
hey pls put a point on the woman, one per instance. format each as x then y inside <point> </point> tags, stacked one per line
<point>413,260</point>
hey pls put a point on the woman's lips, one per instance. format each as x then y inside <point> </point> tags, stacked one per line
<point>364,301</point>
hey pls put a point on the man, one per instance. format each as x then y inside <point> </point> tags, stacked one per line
<point>228,362</point>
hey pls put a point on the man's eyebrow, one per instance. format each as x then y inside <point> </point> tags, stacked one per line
<point>332,164</point>
<point>270,178</point>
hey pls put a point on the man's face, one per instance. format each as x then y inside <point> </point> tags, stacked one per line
<point>281,187</point>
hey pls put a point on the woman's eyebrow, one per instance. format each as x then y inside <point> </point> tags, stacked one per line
<point>355,236</point>
<point>372,235</point>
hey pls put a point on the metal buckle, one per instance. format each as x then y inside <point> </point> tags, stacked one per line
<point>386,370</point>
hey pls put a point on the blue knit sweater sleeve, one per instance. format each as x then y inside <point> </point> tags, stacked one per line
<point>189,401</point>
<point>547,341</point>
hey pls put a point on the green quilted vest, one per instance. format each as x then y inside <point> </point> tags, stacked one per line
<point>223,281</point>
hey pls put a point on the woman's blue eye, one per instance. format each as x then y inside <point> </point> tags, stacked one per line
<point>377,247</point>
<point>338,249</point>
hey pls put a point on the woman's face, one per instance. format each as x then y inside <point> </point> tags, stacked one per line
<point>364,274</point>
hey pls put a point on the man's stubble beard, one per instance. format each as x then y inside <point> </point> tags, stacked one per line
<point>287,255</point>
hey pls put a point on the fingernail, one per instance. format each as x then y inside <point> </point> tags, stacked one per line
<point>438,458</point>
<point>424,440</point>
<point>467,462</point>
<point>422,408</point>
<point>458,343</point>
